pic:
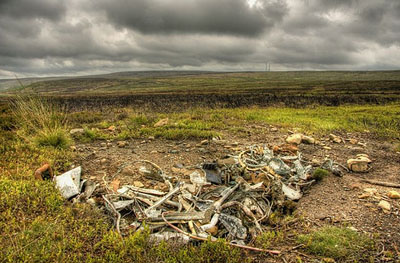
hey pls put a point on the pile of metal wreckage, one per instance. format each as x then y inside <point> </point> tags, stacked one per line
<point>231,198</point>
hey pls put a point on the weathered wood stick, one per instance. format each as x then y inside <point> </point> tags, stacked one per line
<point>380,183</point>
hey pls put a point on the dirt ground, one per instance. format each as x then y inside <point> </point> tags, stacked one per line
<point>335,200</point>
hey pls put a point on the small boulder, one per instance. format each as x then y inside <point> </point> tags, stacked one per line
<point>295,138</point>
<point>138,184</point>
<point>385,205</point>
<point>204,142</point>
<point>161,122</point>
<point>359,164</point>
<point>122,144</point>
<point>307,139</point>
<point>78,131</point>
<point>335,138</point>
<point>393,195</point>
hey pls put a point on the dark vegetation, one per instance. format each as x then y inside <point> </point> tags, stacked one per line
<point>173,91</point>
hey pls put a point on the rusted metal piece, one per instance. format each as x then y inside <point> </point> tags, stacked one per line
<point>45,172</point>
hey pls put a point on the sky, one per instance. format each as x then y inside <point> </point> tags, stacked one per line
<point>79,37</point>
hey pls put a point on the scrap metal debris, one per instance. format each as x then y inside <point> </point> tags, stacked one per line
<point>232,198</point>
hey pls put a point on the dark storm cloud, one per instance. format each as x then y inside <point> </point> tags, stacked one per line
<point>47,37</point>
<point>25,9</point>
<point>234,17</point>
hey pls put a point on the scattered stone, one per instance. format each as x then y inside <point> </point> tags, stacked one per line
<point>234,144</point>
<point>109,144</point>
<point>315,162</point>
<point>73,148</point>
<point>153,152</point>
<point>353,141</point>
<point>111,128</point>
<point>103,144</point>
<point>151,138</point>
<point>227,162</point>
<point>355,186</point>
<point>327,148</point>
<point>307,139</point>
<point>122,144</point>
<point>335,138</point>
<point>161,122</point>
<point>174,151</point>
<point>103,161</point>
<point>204,142</point>
<point>385,205</point>
<point>78,131</point>
<point>359,164</point>
<point>213,230</point>
<point>138,184</point>
<point>274,129</point>
<point>179,166</point>
<point>295,138</point>
<point>370,191</point>
<point>127,171</point>
<point>393,195</point>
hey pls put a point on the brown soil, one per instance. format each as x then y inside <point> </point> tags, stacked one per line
<point>335,200</point>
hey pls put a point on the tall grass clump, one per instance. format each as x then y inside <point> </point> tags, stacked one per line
<point>40,121</point>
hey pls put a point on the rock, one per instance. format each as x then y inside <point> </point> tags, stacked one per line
<point>161,122</point>
<point>204,142</point>
<point>353,141</point>
<point>295,138</point>
<point>179,165</point>
<point>234,144</point>
<point>109,144</point>
<point>122,144</point>
<point>335,138</point>
<point>73,148</point>
<point>385,205</point>
<point>153,152</point>
<point>138,184</point>
<point>360,164</point>
<point>227,161</point>
<point>103,144</point>
<point>174,151</point>
<point>103,161</point>
<point>307,139</point>
<point>370,191</point>
<point>315,162</point>
<point>128,171</point>
<point>111,128</point>
<point>274,129</point>
<point>393,195</point>
<point>78,131</point>
<point>151,138</point>
<point>327,148</point>
<point>213,230</point>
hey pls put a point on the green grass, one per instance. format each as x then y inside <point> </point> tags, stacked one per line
<point>319,174</point>
<point>380,121</point>
<point>338,243</point>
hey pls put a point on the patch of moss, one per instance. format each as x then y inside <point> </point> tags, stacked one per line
<point>338,243</point>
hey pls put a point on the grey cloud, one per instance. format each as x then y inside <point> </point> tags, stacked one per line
<point>48,37</point>
<point>233,17</point>
<point>25,9</point>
